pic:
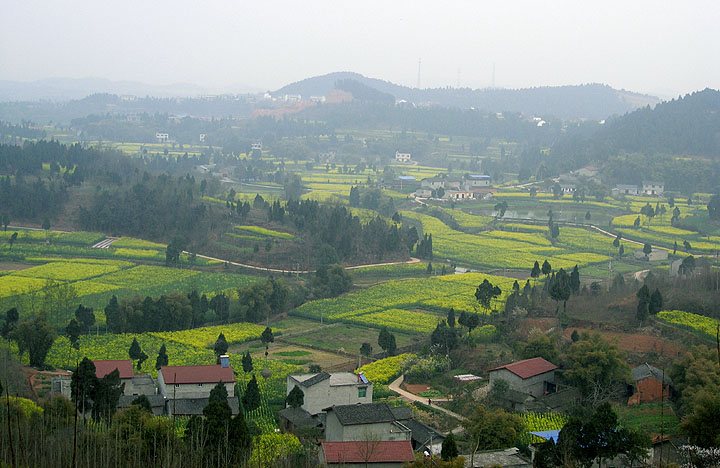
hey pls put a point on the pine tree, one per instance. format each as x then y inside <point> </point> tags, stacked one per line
<point>535,270</point>
<point>449,448</point>
<point>575,280</point>
<point>451,317</point>
<point>251,397</point>
<point>656,302</point>
<point>221,346</point>
<point>135,352</point>
<point>162,358</point>
<point>546,268</point>
<point>296,398</point>
<point>247,362</point>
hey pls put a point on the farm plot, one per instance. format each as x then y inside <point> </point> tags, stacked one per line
<point>205,337</point>
<point>538,422</point>
<point>265,232</point>
<point>68,271</point>
<point>394,304</point>
<point>493,251</point>
<point>344,338</point>
<point>705,327</point>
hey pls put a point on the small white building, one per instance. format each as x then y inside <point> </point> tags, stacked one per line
<point>188,382</point>
<point>402,157</point>
<point>256,146</point>
<point>534,376</point>
<point>323,390</point>
<point>371,421</point>
<point>477,181</point>
<point>623,189</point>
<point>162,137</point>
<point>423,193</point>
<point>654,189</point>
<point>433,183</point>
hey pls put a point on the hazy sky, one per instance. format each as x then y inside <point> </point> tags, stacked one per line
<point>649,46</point>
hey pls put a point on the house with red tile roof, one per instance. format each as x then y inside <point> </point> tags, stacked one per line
<point>133,384</point>
<point>195,381</point>
<point>373,453</point>
<point>534,376</point>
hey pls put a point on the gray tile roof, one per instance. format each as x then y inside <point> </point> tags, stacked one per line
<point>422,433</point>
<point>368,413</point>
<point>299,417</point>
<point>317,378</point>
<point>195,406</point>
<point>646,370</point>
<point>155,400</point>
<point>401,412</point>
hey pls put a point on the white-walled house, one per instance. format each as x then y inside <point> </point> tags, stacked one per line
<point>477,181</point>
<point>323,390</point>
<point>532,376</point>
<point>194,381</point>
<point>402,157</point>
<point>653,188</point>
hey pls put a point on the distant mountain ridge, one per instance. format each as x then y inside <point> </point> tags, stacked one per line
<point>590,101</point>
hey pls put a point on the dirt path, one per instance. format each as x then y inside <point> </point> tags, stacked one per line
<point>395,387</point>
<point>276,270</point>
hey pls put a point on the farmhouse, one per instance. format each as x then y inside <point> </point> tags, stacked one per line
<point>371,421</point>
<point>651,384</point>
<point>459,195</point>
<point>195,381</point>
<point>371,453</point>
<point>323,389</point>
<point>133,384</point>
<point>653,188</point>
<point>622,189</point>
<point>402,157</point>
<point>162,137</point>
<point>505,458</point>
<point>423,193</point>
<point>477,181</point>
<point>433,183</point>
<point>424,438</point>
<point>532,376</point>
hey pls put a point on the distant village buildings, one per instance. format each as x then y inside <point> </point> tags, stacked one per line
<point>402,157</point>
<point>468,187</point>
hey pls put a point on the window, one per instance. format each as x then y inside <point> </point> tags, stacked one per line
<point>199,385</point>
<point>362,391</point>
<point>177,385</point>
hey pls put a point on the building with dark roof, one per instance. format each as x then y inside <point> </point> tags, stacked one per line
<point>157,403</point>
<point>195,406</point>
<point>651,384</point>
<point>424,438</point>
<point>534,376</point>
<point>372,421</point>
<point>322,390</point>
<point>351,454</point>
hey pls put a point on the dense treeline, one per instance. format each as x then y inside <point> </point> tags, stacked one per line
<point>156,207</point>
<point>341,236</point>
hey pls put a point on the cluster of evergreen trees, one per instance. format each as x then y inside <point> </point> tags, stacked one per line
<point>174,311</point>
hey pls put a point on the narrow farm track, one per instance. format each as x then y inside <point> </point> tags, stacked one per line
<point>300,272</point>
<point>395,387</point>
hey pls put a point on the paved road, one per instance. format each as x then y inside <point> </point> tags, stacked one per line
<point>395,387</point>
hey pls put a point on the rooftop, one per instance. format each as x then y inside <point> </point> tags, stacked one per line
<point>646,370</point>
<point>387,451</point>
<point>336,379</point>
<point>197,374</point>
<point>368,413</point>
<point>422,433</point>
<point>528,367</point>
<point>195,406</point>
<point>124,366</point>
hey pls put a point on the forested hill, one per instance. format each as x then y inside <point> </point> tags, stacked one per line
<point>687,126</point>
<point>591,101</point>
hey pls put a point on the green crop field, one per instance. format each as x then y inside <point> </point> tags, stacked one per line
<point>409,306</point>
<point>503,249</point>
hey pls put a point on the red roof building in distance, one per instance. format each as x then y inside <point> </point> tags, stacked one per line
<point>197,374</point>
<point>528,367</point>
<point>386,451</point>
<point>124,366</point>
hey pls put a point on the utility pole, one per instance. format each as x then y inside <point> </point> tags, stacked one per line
<point>418,77</point>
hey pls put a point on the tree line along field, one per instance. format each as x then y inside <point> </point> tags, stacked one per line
<point>31,268</point>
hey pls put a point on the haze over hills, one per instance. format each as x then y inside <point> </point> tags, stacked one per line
<point>64,89</point>
<point>590,101</point>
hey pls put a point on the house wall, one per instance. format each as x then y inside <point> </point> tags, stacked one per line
<point>323,395</point>
<point>336,432</point>
<point>648,390</point>
<point>435,184</point>
<point>129,388</point>
<point>534,386</point>
<point>190,390</point>
<point>321,459</point>
<point>475,183</point>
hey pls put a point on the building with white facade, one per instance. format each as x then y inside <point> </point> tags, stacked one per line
<point>323,390</point>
